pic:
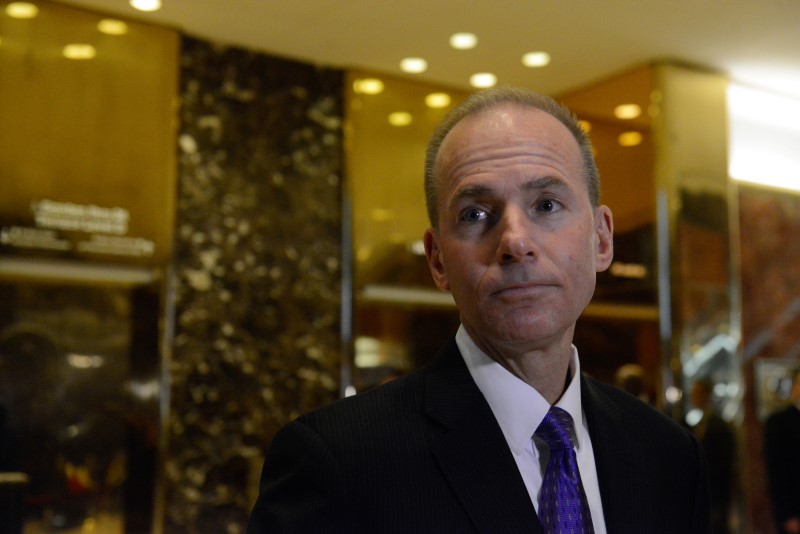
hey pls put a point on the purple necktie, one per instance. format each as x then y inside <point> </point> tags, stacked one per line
<point>562,503</point>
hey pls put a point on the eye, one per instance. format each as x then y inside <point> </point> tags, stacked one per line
<point>548,206</point>
<point>473,215</point>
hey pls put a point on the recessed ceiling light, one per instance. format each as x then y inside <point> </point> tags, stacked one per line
<point>413,65</point>
<point>368,86</point>
<point>536,59</point>
<point>400,118</point>
<point>22,10</point>
<point>146,5</point>
<point>112,27</point>
<point>463,40</point>
<point>482,80</point>
<point>437,100</point>
<point>79,51</point>
<point>629,138</point>
<point>586,126</point>
<point>627,111</point>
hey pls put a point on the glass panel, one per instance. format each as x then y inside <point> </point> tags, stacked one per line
<point>79,394</point>
<point>617,336</point>
<point>87,193</point>
<point>399,316</point>
<point>87,145</point>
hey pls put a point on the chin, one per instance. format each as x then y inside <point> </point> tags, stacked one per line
<point>517,334</point>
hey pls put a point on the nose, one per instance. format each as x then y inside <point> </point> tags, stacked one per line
<point>516,237</point>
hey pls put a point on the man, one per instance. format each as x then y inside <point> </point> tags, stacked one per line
<point>718,441</point>
<point>517,236</point>
<point>782,447</point>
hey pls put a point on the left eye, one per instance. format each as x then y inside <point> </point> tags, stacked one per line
<point>473,215</point>
<point>547,206</point>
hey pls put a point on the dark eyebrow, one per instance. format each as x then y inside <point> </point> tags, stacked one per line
<point>471,191</point>
<point>546,182</point>
<point>536,184</point>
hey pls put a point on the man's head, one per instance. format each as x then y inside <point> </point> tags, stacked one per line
<point>489,98</point>
<point>518,238</point>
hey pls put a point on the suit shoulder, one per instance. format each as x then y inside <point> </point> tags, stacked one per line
<point>391,402</point>
<point>785,421</point>
<point>635,414</point>
<point>789,412</point>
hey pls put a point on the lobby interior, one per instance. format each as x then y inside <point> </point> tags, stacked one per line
<point>203,235</point>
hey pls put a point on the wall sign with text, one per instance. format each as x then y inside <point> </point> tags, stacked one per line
<point>75,230</point>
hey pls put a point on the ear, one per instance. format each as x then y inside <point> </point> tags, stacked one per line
<point>434,254</point>
<point>604,226</point>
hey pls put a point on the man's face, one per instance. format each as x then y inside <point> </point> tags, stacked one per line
<point>518,242</point>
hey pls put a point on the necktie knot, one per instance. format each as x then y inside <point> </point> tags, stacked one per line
<point>556,429</point>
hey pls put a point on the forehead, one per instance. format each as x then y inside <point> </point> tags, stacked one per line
<point>510,118</point>
<point>504,133</point>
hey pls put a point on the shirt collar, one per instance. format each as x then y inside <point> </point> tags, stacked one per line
<point>517,406</point>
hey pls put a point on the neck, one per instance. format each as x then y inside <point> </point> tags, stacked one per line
<point>545,369</point>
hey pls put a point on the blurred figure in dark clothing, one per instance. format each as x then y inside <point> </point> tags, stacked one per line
<point>718,440</point>
<point>9,460</point>
<point>782,449</point>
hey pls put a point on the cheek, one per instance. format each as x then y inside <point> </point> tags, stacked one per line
<point>578,262</point>
<point>459,273</point>
<point>588,248</point>
<point>576,248</point>
<point>464,272</point>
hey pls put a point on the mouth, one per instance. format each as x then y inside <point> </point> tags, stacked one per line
<point>522,290</point>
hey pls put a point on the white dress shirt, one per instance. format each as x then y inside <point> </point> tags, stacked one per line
<point>519,409</point>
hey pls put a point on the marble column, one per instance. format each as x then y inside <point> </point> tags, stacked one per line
<point>254,337</point>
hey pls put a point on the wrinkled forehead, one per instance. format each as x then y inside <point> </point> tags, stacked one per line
<point>506,121</point>
<point>506,129</point>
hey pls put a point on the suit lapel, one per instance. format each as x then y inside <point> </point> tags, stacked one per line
<point>617,458</point>
<point>473,455</point>
<point>488,484</point>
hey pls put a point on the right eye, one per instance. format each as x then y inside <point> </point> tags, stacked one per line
<point>473,215</point>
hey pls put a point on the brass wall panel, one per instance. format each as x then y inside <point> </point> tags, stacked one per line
<point>385,164</point>
<point>626,171</point>
<point>87,134</point>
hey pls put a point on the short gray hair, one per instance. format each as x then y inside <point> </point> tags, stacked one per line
<point>490,98</point>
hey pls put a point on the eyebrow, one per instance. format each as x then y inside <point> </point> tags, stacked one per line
<point>535,184</point>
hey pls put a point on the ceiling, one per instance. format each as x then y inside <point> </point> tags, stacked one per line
<point>755,42</point>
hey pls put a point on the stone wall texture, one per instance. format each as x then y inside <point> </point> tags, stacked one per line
<point>769,226</point>
<point>257,272</point>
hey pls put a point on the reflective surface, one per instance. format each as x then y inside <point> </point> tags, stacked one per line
<point>79,390</point>
<point>617,335</point>
<point>87,164</point>
<point>400,320</point>
<point>87,194</point>
<point>699,289</point>
<point>769,223</point>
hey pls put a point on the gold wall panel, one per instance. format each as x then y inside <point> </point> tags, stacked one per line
<point>87,146</point>
<point>626,171</point>
<point>385,166</point>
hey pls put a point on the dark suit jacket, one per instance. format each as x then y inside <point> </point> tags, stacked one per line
<point>782,449</point>
<point>425,454</point>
